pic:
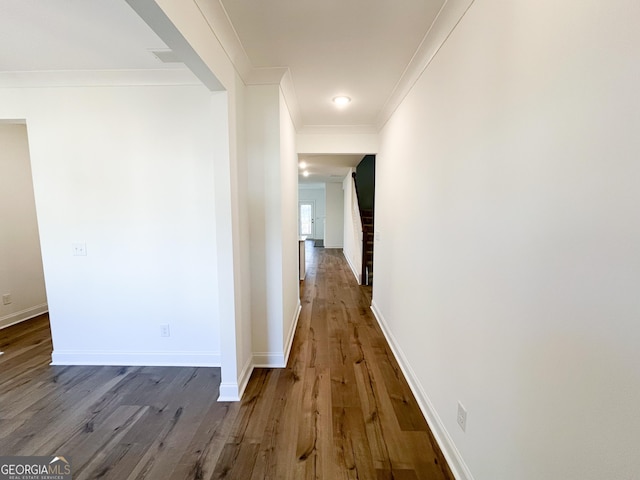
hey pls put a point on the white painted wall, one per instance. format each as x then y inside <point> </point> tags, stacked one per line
<point>289,212</point>
<point>273,200</point>
<point>129,171</point>
<point>507,270</point>
<point>315,193</point>
<point>334,224</point>
<point>263,151</point>
<point>194,23</point>
<point>242,288</point>
<point>21,274</point>
<point>337,143</point>
<point>352,243</point>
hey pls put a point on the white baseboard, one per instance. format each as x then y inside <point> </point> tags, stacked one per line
<point>23,315</point>
<point>229,392</point>
<point>244,377</point>
<point>146,359</point>
<point>232,392</point>
<point>268,360</point>
<point>449,450</point>
<point>353,269</point>
<point>277,359</point>
<point>292,333</point>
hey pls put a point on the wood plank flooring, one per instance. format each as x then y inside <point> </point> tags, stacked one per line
<point>340,410</point>
<point>113,422</point>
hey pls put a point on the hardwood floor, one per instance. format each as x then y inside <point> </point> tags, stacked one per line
<point>113,422</point>
<point>340,410</point>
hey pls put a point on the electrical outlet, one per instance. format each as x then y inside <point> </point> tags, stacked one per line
<point>164,330</point>
<point>79,249</point>
<point>462,417</point>
<point>6,299</point>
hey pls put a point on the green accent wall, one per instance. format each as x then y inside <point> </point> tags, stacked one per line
<point>366,182</point>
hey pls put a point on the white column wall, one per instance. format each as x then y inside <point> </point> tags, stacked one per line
<point>194,23</point>
<point>263,151</point>
<point>273,200</point>
<point>352,244</point>
<point>289,212</point>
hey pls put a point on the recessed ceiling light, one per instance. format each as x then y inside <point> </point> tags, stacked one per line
<point>305,174</point>
<point>341,101</point>
<point>303,164</point>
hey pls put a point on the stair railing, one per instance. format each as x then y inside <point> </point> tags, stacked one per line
<point>367,236</point>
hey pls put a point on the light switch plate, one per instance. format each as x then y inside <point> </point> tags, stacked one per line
<point>79,249</point>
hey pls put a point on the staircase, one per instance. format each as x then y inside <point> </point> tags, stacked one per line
<point>364,181</point>
<point>367,246</point>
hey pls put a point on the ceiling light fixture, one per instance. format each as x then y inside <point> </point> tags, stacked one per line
<point>303,164</point>
<point>341,100</point>
<point>305,174</point>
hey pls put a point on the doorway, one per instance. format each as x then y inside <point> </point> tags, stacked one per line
<point>22,286</point>
<point>306,219</point>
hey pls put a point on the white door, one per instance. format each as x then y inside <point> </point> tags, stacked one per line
<point>306,219</point>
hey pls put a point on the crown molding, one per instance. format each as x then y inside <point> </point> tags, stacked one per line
<point>220,24</point>
<point>444,24</point>
<point>291,99</point>
<point>266,75</point>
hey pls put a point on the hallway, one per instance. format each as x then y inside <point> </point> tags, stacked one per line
<point>342,408</point>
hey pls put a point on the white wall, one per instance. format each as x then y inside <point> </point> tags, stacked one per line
<point>21,274</point>
<point>352,243</point>
<point>129,171</point>
<point>194,23</point>
<point>334,225</point>
<point>327,199</point>
<point>289,212</point>
<point>263,151</point>
<point>273,200</point>
<point>337,143</point>
<point>508,202</point>
<point>315,193</point>
<point>242,287</point>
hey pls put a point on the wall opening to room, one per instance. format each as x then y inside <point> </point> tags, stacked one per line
<point>22,286</point>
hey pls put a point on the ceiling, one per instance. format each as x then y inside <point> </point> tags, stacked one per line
<point>327,168</point>
<point>359,48</point>
<point>59,35</point>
